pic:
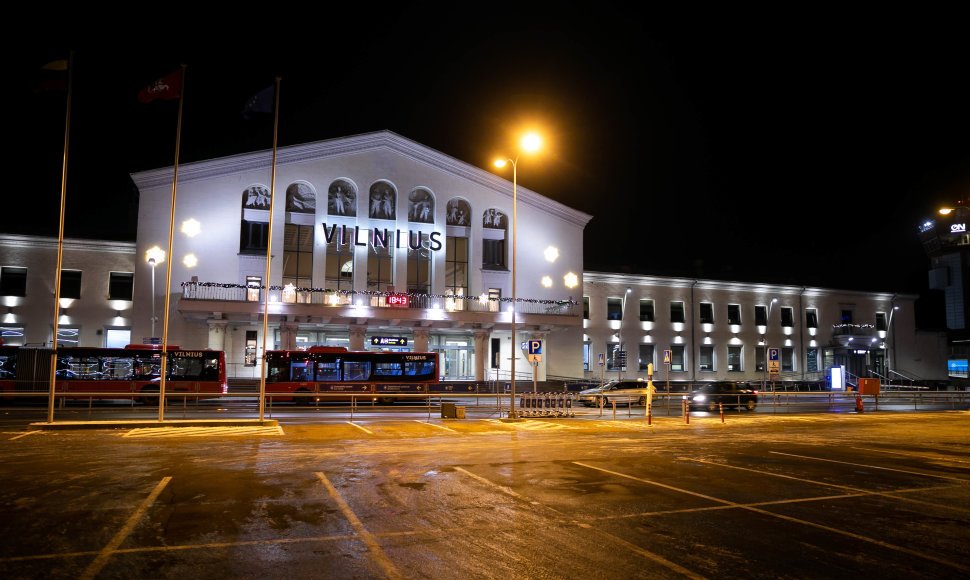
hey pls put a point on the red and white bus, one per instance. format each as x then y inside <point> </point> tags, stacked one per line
<point>330,371</point>
<point>111,373</point>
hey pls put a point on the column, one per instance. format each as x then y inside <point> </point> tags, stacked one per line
<point>288,335</point>
<point>217,334</point>
<point>357,332</point>
<point>481,352</point>
<point>421,336</point>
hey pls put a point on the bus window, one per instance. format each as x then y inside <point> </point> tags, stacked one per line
<point>387,369</point>
<point>118,368</point>
<point>328,371</point>
<point>300,371</point>
<point>356,370</point>
<point>419,368</point>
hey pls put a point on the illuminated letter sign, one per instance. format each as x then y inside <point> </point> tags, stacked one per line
<point>397,300</point>
<point>958,228</point>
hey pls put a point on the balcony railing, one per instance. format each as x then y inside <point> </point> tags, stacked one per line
<point>448,303</point>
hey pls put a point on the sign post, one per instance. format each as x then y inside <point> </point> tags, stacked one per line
<point>667,357</point>
<point>774,366</point>
<point>535,357</point>
<point>602,358</point>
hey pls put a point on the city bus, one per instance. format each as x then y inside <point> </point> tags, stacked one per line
<point>376,376</point>
<point>114,373</point>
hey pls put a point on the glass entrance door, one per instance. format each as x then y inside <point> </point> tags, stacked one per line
<point>457,362</point>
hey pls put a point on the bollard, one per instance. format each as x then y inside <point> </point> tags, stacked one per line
<point>858,404</point>
<point>686,412</point>
<point>649,414</point>
<point>721,407</point>
<point>614,410</point>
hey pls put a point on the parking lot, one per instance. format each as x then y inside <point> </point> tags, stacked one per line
<point>832,495</point>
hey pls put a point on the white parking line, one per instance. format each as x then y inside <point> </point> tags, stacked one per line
<point>368,431</point>
<point>433,425</point>
<point>162,432</point>
<point>872,466</point>
<point>783,517</point>
<point>369,539</point>
<point>106,552</point>
<point>25,434</point>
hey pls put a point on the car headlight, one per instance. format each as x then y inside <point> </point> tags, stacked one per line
<point>700,398</point>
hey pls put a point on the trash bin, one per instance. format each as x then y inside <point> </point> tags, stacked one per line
<point>448,411</point>
<point>459,412</point>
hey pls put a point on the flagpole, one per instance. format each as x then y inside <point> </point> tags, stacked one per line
<point>269,251</point>
<point>60,238</point>
<point>171,233</point>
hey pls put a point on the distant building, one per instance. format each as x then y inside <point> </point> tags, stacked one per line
<point>716,330</point>
<point>380,243</point>
<point>947,243</point>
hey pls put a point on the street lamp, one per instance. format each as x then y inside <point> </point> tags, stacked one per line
<point>889,327</point>
<point>530,143</point>
<point>154,257</point>
<point>765,366</point>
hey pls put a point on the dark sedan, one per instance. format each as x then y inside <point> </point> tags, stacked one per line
<point>729,394</point>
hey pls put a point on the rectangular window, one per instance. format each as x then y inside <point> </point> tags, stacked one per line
<point>707,313</point>
<point>120,285</point>
<point>761,315</point>
<point>614,309</point>
<point>787,359</point>
<point>456,266</point>
<point>705,361</point>
<point>646,310</point>
<point>759,358</point>
<point>249,358</point>
<point>646,356</point>
<point>253,284</point>
<point>734,359</point>
<point>586,348</point>
<point>496,353</point>
<point>676,312</point>
<point>13,281</point>
<point>880,321</point>
<point>69,335</point>
<point>12,335</point>
<point>298,258</point>
<point>811,318</point>
<point>340,266</point>
<point>787,317</point>
<point>585,307</point>
<point>811,360</point>
<point>419,271</point>
<point>379,269</point>
<point>252,237</point>
<point>846,317</point>
<point>117,337</point>
<point>677,361</point>
<point>734,314</point>
<point>71,284</point>
<point>493,254</point>
<point>613,358</point>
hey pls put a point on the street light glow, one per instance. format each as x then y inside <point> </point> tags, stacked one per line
<point>531,142</point>
<point>155,256</point>
<point>945,211</point>
<point>500,163</point>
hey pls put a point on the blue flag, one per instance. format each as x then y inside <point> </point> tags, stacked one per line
<point>261,102</point>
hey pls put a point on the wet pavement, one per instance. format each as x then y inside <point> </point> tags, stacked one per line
<point>759,496</point>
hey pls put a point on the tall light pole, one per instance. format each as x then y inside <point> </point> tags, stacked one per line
<point>765,366</point>
<point>530,142</point>
<point>154,257</point>
<point>889,328</point>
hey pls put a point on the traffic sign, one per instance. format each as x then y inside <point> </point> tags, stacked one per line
<point>667,355</point>
<point>535,347</point>
<point>774,354</point>
<point>602,359</point>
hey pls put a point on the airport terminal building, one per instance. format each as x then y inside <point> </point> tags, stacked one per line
<point>380,243</point>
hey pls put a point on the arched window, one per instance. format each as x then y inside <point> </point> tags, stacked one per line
<point>301,205</point>
<point>254,226</point>
<point>495,228</point>
<point>421,206</point>
<point>457,247</point>
<point>383,201</point>
<point>342,198</point>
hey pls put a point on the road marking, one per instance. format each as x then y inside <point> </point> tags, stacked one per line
<point>25,434</point>
<point>369,539</point>
<point>873,466</point>
<point>945,459</point>
<point>433,425</point>
<point>368,431</point>
<point>846,487</point>
<point>600,533</point>
<point>106,552</point>
<point>162,432</point>
<point>784,517</point>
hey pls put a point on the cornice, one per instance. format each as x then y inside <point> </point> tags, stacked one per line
<point>70,244</point>
<point>697,283</point>
<point>380,140</point>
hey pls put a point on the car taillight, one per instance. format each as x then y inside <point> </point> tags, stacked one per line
<point>756,392</point>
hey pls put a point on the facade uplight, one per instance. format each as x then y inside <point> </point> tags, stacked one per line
<point>571,280</point>
<point>190,261</point>
<point>191,227</point>
<point>551,254</point>
<point>547,282</point>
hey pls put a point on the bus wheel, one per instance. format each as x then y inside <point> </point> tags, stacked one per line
<point>386,400</point>
<point>302,401</point>
<point>151,400</point>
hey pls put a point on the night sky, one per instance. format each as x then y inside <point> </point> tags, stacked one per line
<point>789,147</point>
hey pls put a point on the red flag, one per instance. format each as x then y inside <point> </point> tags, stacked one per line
<point>167,87</point>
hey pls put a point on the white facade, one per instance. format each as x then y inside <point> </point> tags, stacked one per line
<point>721,330</point>
<point>96,301</point>
<point>345,190</point>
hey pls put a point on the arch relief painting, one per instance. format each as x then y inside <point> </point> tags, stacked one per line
<point>342,198</point>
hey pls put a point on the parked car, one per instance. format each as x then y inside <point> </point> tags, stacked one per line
<point>623,392</point>
<point>730,394</point>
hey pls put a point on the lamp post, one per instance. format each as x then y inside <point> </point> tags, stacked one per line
<point>530,142</point>
<point>765,367</point>
<point>154,257</point>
